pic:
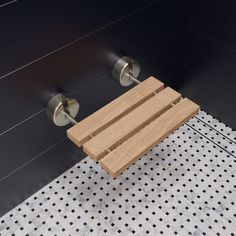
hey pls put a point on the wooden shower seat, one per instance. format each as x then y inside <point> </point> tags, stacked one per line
<point>128,127</point>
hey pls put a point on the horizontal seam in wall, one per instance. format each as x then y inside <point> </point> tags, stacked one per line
<point>211,39</point>
<point>78,39</point>
<point>8,3</point>
<point>34,158</point>
<point>21,122</point>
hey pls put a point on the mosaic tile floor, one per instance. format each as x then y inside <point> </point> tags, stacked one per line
<point>184,186</point>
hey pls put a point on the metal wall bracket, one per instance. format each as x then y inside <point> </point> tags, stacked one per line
<point>62,110</point>
<point>126,71</point>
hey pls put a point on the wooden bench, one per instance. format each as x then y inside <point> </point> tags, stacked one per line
<point>128,127</point>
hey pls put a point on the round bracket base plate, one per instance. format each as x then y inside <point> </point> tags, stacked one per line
<point>58,105</point>
<point>124,68</point>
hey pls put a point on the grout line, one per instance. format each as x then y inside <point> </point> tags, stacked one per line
<point>210,140</point>
<point>23,121</point>
<point>8,3</point>
<point>78,39</point>
<point>34,158</point>
<point>212,39</point>
<point>215,130</point>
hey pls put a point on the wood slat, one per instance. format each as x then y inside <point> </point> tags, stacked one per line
<point>102,118</point>
<point>129,124</point>
<point>136,146</point>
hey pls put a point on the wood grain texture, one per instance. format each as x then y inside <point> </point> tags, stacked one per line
<point>136,146</point>
<point>104,117</point>
<point>129,124</point>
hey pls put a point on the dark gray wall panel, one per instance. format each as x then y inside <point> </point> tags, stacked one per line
<point>152,37</point>
<point>211,79</point>
<point>209,54</point>
<point>217,19</point>
<point>31,29</point>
